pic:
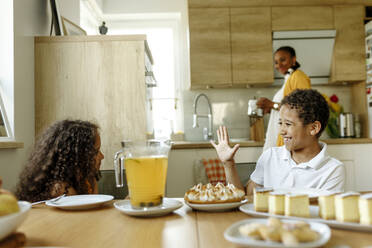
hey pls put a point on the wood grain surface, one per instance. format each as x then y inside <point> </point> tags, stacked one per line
<point>107,227</point>
<point>95,79</point>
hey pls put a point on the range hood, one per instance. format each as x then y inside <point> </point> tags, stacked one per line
<point>313,51</point>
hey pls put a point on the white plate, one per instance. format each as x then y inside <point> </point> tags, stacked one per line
<point>216,207</point>
<point>311,192</point>
<point>9,223</point>
<point>79,202</point>
<point>168,206</point>
<point>233,235</point>
<point>314,216</point>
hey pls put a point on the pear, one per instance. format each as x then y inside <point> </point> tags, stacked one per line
<point>8,203</point>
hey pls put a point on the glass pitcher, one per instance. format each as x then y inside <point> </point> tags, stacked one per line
<point>146,164</point>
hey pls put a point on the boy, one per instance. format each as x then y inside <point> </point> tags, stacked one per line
<point>302,161</point>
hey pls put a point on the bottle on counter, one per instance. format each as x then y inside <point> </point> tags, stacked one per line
<point>357,127</point>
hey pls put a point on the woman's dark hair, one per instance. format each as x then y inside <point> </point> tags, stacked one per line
<point>311,106</point>
<point>291,52</point>
<point>64,153</point>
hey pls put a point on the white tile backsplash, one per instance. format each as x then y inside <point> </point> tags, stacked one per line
<point>230,107</point>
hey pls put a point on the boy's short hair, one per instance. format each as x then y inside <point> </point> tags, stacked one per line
<point>311,106</point>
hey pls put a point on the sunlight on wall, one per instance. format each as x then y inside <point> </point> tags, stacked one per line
<point>163,100</point>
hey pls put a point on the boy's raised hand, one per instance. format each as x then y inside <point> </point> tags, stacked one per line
<point>223,149</point>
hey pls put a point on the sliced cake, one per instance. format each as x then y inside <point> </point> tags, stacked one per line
<point>297,205</point>
<point>326,204</point>
<point>261,199</point>
<point>276,203</point>
<point>346,206</point>
<point>365,209</point>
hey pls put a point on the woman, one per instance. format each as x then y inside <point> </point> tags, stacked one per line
<point>65,160</point>
<point>286,64</point>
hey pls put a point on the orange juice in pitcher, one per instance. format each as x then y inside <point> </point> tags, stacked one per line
<point>146,164</point>
<point>146,178</point>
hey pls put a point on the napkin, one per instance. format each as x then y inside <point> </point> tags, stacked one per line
<point>14,240</point>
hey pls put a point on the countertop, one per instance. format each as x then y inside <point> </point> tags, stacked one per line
<point>249,143</point>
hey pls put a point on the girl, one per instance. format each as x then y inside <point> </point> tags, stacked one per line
<point>65,160</point>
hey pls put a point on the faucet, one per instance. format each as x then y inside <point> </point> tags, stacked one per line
<point>207,132</point>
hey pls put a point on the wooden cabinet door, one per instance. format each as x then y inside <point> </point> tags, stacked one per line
<point>349,50</point>
<point>302,18</point>
<point>99,81</point>
<point>210,50</point>
<point>251,43</point>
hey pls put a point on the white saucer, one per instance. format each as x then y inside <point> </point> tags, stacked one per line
<point>79,202</point>
<point>168,206</point>
<point>217,206</point>
<point>233,235</point>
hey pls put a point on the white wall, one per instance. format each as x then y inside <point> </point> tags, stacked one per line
<point>31,18</point>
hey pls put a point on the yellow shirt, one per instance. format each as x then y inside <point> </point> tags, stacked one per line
<point>298,80</point>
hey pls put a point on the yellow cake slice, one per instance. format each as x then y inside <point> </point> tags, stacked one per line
<point>365,209</point>
<point>297,205</point>
<point>326,204</point>
<point>276,203</point>
<point>261,199</point>
<point>346,206</point>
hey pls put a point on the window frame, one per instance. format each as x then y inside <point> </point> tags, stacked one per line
<point>3,115</point>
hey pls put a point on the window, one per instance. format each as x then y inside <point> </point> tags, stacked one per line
<point>88,18</point>
<point>5,131</point>
<point>6,71</point>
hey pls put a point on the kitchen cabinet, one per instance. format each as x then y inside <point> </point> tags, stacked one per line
<point>251,46</point>
<point>284,3</point>
<point>357,163</point>
<point>94,78</point>
<point>348,63</point>
<point>210,49</point>
<point>302,18</point>
<point>234,49</point>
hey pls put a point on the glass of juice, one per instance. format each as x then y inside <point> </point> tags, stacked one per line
<point>146,166</point>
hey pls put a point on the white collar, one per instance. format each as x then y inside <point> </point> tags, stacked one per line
<point>288,74</point>
<point>315,163</point>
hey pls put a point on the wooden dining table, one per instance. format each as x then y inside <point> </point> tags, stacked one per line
<point>108,227</point>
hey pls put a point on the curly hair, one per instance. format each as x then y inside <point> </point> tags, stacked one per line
<point>311,106</point>
<point>64,153</point>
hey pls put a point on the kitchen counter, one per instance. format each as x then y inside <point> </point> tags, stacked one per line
<point>249,143</point>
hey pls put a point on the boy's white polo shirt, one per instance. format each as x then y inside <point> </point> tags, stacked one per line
<point>276,168</point>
